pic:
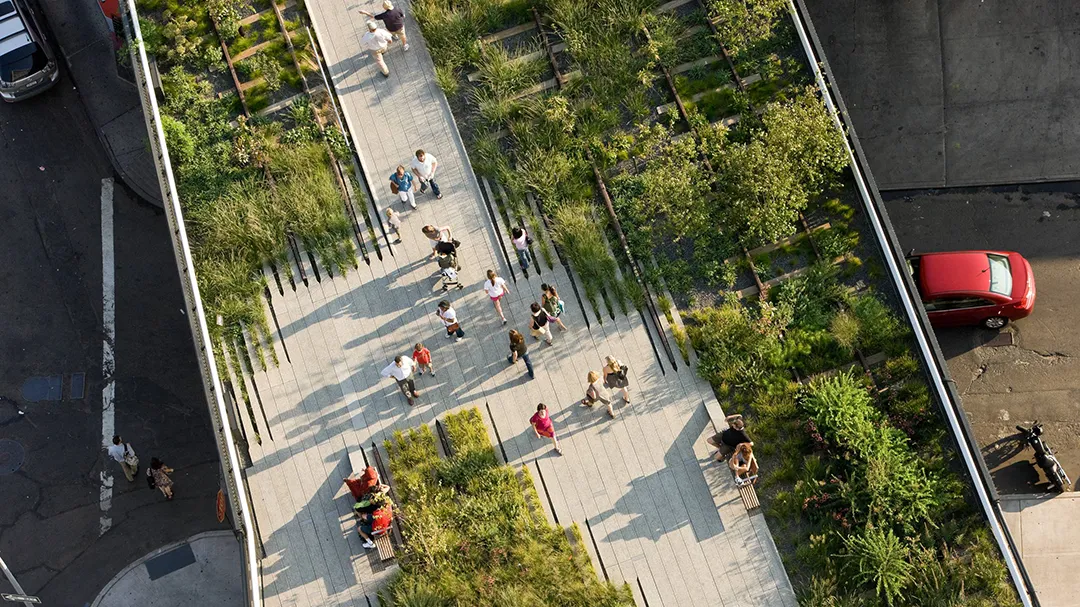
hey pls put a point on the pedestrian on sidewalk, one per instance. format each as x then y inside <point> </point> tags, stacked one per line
<point>542,426</point>
<point>376,42</point>
<point>727,441</point>
<point>401,183</point>
<point>518,349</point>
<point>401,370</point>
<point>393,19</point>
<point>124,455</point>
<point>552,304</point>
<point>422,356</point>
<point>539,327</point>
<point>521,241</point>
<point>615,377</point>
<point>496,288</point>
<point>394,220</point>
<point>444,241</point>
<point>424,166</point>
<point>450,320</point>
<point>158,474</point>
<point>595,392</point>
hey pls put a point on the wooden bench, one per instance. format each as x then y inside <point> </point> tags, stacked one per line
<point>384,546</point>
<point>749,496</point>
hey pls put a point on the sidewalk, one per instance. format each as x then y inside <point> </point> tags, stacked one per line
<point>1045,529</point>
<point>112,103</point>
<point>203,570</point>
<point>635,484</point>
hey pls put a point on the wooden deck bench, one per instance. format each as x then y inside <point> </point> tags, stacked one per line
<point>748,495</point>
<point>384,546</point>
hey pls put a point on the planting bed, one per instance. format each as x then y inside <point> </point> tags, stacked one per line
<point>684,140</point>
<point>263,181</point>
<point>475,531</point>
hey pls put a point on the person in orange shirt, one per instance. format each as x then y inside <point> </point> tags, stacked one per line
<point>422,356</point>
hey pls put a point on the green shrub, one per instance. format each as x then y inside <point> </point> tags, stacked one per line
<point>737,348</point>
<point>845,329</point>
<point>226,14</point>
<point>879,558</point>
<point>879,328</point>
<point>181,145</point>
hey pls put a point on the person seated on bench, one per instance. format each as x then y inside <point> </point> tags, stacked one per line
<point>729,439</point>
<point>744,464</point>
<point>374,515</point>
<point>368,482</point>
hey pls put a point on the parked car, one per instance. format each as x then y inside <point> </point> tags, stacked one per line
<point>27,63</point>
<point>987,288</point>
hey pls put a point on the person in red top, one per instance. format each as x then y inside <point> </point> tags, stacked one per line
<point>422,356</point>
<point>368,482</point>
<point>542,425</point>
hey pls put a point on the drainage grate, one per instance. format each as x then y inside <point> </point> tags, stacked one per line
<point>39,388</point>
<point>12,456</point>
<point>78,386</point>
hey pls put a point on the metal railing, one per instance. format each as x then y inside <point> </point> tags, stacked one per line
<point>929,351</point>
<point>242,519</point>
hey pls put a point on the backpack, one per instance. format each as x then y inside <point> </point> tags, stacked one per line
<point>150,478</point>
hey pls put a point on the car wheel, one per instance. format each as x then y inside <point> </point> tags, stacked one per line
<point>995,322</point>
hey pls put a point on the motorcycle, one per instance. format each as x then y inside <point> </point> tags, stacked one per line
<point>1044,457</point>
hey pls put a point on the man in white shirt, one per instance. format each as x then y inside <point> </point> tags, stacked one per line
<point>424,166</point>
<point>125,456</point>
<point>401,370</point>
<point>376,42</point>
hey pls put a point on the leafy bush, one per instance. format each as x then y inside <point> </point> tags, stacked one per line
<point>737,348</point>
<point>226,14</point>
<point>879,328</point>
<point>879,559</point>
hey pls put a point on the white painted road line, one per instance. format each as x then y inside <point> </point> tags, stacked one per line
<point>108,361</point>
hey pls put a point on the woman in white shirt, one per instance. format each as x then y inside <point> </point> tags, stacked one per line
<point>496,288</point>
<point>520,238</point>
<point>449,319</point>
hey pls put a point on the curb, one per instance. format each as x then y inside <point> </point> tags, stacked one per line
<point>121,174</point>
<point>139,562</point>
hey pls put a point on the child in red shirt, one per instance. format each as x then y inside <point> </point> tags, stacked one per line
<point>422,356</point>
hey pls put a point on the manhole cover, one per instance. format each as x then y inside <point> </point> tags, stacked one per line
<point>12,456</point>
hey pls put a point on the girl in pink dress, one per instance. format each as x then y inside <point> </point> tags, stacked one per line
<point>542,425</point>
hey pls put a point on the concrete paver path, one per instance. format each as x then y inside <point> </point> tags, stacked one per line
<point>635,484</point>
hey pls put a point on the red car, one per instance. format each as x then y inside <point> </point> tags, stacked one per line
<point>987,288</point>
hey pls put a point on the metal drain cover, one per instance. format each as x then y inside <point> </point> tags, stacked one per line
<point>12,456</point>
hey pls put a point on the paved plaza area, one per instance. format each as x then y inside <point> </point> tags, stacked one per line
<point>639,486</point>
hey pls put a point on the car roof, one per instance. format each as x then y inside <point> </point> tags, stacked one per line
<point>959,271</point>
<point>13,33</point>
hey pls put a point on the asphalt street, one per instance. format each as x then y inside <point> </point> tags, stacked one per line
<point>1038,377</point>
<point>51,458</point>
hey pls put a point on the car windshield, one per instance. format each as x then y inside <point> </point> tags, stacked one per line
<point>21,62</point>
<point>1000,275</point>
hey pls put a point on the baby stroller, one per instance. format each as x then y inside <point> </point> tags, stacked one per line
<point>450,279</point>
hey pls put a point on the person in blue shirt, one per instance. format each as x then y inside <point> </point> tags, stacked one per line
<point>403,181</point>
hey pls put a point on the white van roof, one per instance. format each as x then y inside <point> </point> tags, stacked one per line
<point>13,34</point>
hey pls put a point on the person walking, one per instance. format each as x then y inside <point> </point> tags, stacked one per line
<point>376,42</point>
<point>542,426</point>
<point>159,472</point>
<point>521,241</point>
<point>549,300</point>
<point>539,328</point>
<point>422,356</point>
<point>595,392</point>
<point>401,370</point>
<point>394,20</point>
<point>518,349</point>
<point>496,288</point>
<point>401,183</point>
<point>615,377</point>
<point>443,239</point>
<point>124,455</point>
<point>424,167</point>
<point>394,220</point>
<point>449,319</point>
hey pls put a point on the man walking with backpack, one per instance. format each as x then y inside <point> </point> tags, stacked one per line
<point>124,455</point>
